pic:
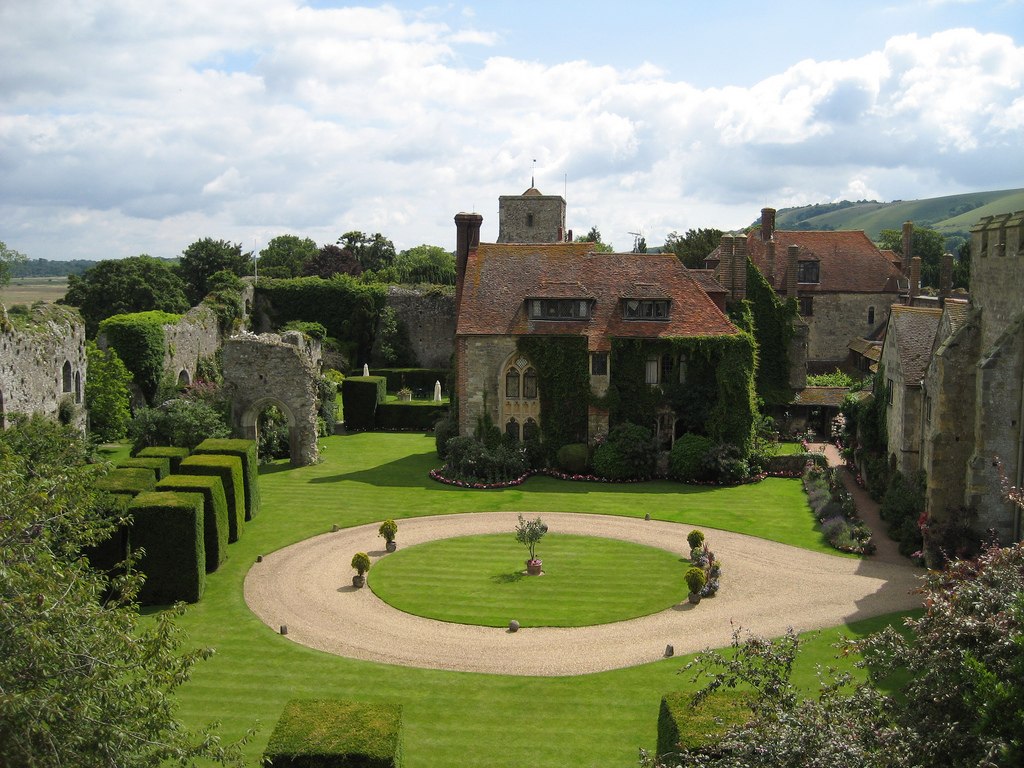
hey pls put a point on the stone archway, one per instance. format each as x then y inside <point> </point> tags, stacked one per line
<point>274,370</point>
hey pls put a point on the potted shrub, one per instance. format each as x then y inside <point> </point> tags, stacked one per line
<point>405,394</point>
<point>361,562</point>
<point>388,529</point>
<point>528,533</point>
<point>696,579</point>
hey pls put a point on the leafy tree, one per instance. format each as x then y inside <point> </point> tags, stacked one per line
<point>372,253</point>
<point>182,422</point>
<point>639,244</point>
<point>107,394</point>
<point>332,260</point>
<point>286,255</point>
<point>84,681</point>
<point>123,286</point>
<point>422,264</point>
<point>8,258</point>
<point>835,379</point>
<point>926,243</point>
<point>594,236</point>
<point>693,247</point>
<point>206,257</point>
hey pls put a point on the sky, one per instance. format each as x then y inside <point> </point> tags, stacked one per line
<point>131,127</point>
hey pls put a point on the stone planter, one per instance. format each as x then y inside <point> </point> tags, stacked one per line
<point>533,567</point>
<point>391,546</point>
<point>694,597</point>
<point>405,397</point>
<point>358,581</point>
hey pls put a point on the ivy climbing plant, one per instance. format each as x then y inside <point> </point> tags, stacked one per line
<point>563,381</point>
<point>140,343</point>
<point>773,330</point>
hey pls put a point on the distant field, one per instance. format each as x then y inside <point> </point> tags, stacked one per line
<point>27,290</point>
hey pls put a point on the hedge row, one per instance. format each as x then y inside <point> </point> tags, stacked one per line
<point>159,466</point>
<point>361,396</point>
<point>416,379</point>
<point>129,481</point>
<point>107,555</point>
<point>229,470</point>
<point>173,572</point>
<point>139,340</point>
<point>682,726</point>
<point>246,451</point>
<point>324,733</point>
<point>215,529</point>
<point>408,416</point>
<point>172,453</point>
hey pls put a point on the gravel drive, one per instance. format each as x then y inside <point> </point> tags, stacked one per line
<point>766,588</point>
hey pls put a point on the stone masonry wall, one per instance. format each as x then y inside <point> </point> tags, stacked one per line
<point>195,336</point>
<point>479,366</point>
<point>548,213</point>
<point>902,416</point>
<point>997,272</point>
<point>429,318</point>
<point>838,318</point>
<point>42,362</point>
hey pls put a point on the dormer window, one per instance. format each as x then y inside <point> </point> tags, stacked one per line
<point>559,309</point>
<point>808,272</point>
<point>645,309</point>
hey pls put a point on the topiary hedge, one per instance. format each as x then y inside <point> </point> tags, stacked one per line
<point>215,512</point>
<point>140,343</point>
<point>683,726</point>
<point>172,453</point>
<point>159,466</point>
<point>417,379</point>
<point>169,527</point>
<point>108,554</point>
<point>127,480</point>
<point>229,470</point>
<point>628,454</point>
<point>333,734</point>
<point>360,397</point>
<point>686,460</point>
<point>246,451</point>
<point>420,417</point>
<point>574,458</point>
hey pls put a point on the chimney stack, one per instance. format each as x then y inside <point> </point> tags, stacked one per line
<point>739,268</point>
<point>467,238</point>
<point>915,278</point>
<point>792,256</point>
<point>724,271</point>
<point>945,277</point>
<point>908,236</point>
<point>767,224</point>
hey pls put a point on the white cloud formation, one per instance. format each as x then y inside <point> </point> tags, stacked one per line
<point>129,127</point>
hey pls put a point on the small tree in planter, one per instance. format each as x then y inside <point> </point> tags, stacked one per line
<point>388,529</point>
<point>361,562</point>
<point>696,580</point>
<point>528,533</point>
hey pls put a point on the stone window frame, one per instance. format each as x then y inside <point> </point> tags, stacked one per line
<point>599,364</point>
<point>559,309</point>
<point>871,315</point>
<point>806,306</point>
<point>652,370</point>
<point>889,389</point>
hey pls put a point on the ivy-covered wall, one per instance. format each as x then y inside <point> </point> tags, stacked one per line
<point>563,383</point>
<point>347,308</point>
<point>773,331</point>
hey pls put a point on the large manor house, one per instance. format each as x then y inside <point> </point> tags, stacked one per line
<point>953,365</point>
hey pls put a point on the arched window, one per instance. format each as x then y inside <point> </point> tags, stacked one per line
<point>66,381</point>
<point>78,386</point>
<point>3,415</point>
<point>529,219</point>
<point>530,429</point>
<point>530,384</point>
<point>183,378</point>
<point>871,315</point>
<point>512,383</point>
<point>512,428</point>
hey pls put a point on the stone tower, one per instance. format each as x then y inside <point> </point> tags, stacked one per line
<point>531,218</point>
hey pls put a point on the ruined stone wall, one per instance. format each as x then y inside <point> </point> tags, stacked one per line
<point>838,318</point>
<point>428,316</point>
<point>196,335</point>
<point>42,363</point>
<point>948,439</point>
<point>479,363</point>
<point>902,416</point>
<point>515,224</point>
<point>997,272</point>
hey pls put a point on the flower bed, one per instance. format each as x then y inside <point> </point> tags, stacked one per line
<point>438,476</point>
<point>834,509</point>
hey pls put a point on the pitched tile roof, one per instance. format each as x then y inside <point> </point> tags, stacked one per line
<point>827,396</point>
<point>500,277</point>
<point>912,330</point>
<point>849,261</point>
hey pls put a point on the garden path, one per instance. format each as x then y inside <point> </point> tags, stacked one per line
<point>767,588</point>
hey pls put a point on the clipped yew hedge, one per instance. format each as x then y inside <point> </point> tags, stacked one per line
<point>229,470</point>
<point>215,512</point>
<point>108,554</point>
<point>140,343</point>
<point>681,725</point>
<point>172,453</point>
<point>169,528</point>
<point>159,466</point>
<point>419,417</point>
<point>416,379</point>
<point>129,481</point>
<point>326,733</point>
<point>360,397</point>
<point>247,452</point>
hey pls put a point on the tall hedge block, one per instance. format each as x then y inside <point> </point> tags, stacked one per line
<point>160,467</point>
<point>215,512</point>
<point>325,733</point>
<point>169,527</point>
<point>246,451</point>
<point>229,470</point>
<point>360,396</point>
<point>106,555</point>
<point>127,480</point>
<point>139,340</point>
<point>416,379</point>
<point>172,453</point>
<point>700,727</point>
<point>408,416</point>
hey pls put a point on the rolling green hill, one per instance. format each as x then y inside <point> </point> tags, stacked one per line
<point>950,215</point>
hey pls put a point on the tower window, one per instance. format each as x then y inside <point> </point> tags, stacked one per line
<point>529,219</point>
<point>871,315</point>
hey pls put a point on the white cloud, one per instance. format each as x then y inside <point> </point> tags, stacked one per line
<point>130,127</point>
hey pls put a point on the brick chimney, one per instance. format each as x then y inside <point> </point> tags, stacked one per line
<point>792,256</point>
<point>908,239</point>
<point>945,277</point>
<point>767,224</point>
<point>915,278</point>
<point>467,238</point>
<point>739,268</point>
<point>726,248</point>
<point>770,277</point>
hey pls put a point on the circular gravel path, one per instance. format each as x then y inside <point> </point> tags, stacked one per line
<point>766,588</point>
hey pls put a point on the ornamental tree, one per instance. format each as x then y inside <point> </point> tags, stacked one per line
<point>529,533</point>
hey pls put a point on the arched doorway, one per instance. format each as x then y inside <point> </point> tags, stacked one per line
<point>271,424</point>
<point>65,376</point>
<point>183,378</point>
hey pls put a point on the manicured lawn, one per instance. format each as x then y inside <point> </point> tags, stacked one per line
<point>456,718</point>
<point>481,580</point>
<point>788,448</point>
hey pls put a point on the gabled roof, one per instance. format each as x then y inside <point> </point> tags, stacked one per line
<point>824,396</point>
<point>849,261</point>
<point>912,330</point>
<point>500,277</point>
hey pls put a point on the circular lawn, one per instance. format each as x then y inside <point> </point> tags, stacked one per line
<point>481,580</point>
